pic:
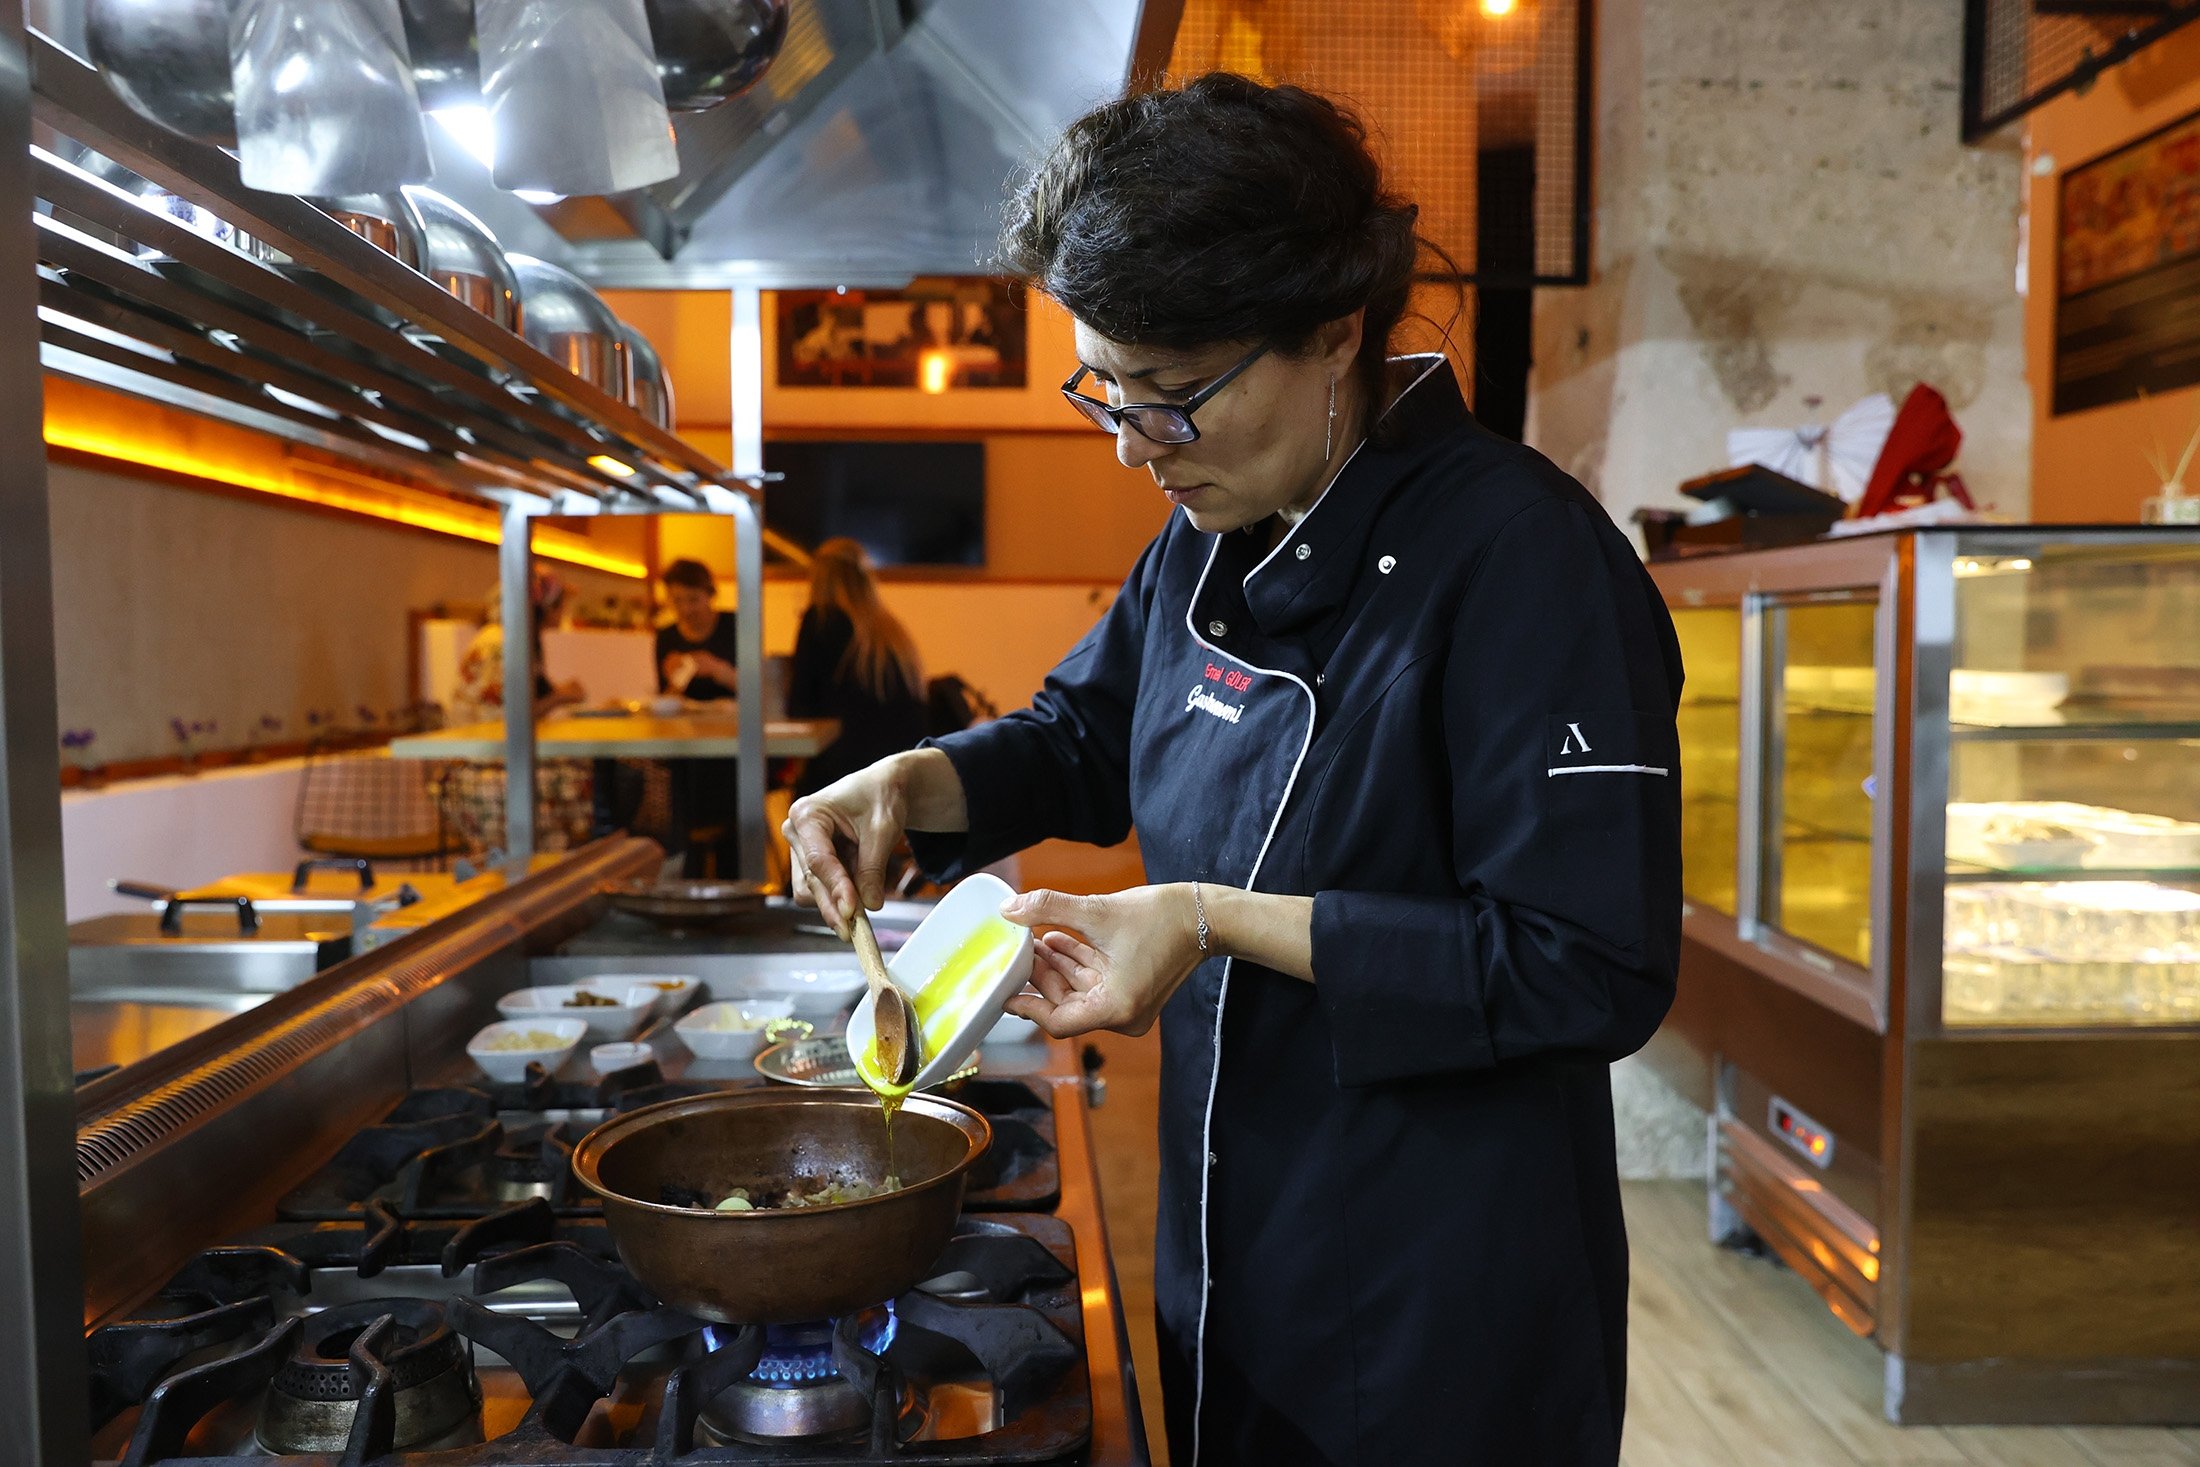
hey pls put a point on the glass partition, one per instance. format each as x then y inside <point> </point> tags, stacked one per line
<point>1710,720</point>
<point>1817,852</point>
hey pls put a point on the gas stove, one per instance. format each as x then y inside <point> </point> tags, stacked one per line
<point>517,1339</point>
<point>463,1151</point>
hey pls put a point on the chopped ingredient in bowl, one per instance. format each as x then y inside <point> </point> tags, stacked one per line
<point>587,1000</point>
<point>761,1199</point>
<point>514,1041</point>
<point>731,1021</point>
<point>668,985</point>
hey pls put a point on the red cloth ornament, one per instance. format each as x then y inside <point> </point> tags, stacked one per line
<point>1912,466</point>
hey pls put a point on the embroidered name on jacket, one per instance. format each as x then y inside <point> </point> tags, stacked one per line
<point>1207,702</point>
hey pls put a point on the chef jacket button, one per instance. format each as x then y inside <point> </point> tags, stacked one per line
<point>1218,629</point>
<point>1320,678</point>
<point>1213,1159</point>
<point>1387,564</point>
<point>1304,551</point>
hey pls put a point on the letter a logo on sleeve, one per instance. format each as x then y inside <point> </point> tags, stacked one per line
<point>1608,743</point>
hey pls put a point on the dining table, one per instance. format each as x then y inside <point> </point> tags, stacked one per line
<point>607,737</point>
<point>624,735</point>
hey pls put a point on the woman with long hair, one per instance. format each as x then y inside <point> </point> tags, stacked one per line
<point>854,661</point>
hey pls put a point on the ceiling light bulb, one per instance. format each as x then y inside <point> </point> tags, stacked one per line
<point>609,465</point>
<point>1499,9</point>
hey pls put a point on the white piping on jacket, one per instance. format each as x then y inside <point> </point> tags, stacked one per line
<point>1435,360</point>
<point>1608,769</point>
<point>1222,993</point>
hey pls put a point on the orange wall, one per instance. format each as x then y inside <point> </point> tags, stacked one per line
<point>1057,502</point>
<point>2091,465</point>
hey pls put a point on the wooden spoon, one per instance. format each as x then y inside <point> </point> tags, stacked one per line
<point>896,1033</point>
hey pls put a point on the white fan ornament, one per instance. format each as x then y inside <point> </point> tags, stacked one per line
<point>1837,457</point>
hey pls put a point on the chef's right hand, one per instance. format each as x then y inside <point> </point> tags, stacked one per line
<point>859,819</point>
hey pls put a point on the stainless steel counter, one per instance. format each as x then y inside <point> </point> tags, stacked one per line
<point>175,1162</point>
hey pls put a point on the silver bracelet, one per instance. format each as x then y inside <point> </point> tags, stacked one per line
<point>1199,909</point>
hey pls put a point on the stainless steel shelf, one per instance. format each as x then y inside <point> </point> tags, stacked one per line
<point>1983,875</point>
<point>2080,721</point>
<point>345,346</point>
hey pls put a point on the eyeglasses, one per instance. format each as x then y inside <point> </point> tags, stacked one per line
<point>1162,422</point>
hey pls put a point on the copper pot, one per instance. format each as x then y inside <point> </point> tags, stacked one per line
<point>780,1265</point>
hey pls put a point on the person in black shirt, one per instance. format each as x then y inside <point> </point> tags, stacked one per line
<point>1391,704</point>
<point>855,662</point>
<point>695,658</point>
<point>695,651</point>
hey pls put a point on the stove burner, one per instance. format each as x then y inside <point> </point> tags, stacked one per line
<point>797,1389</point>
<point>314,1401</point>
<point>797,1354</point>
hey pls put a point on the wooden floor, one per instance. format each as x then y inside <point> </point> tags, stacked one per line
<point>1732,1361</point>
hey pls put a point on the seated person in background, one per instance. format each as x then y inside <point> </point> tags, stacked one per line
<point>696,654</point>
<point>855,662</point>
<point>695,651</point>
<point>480,696</point>
<point>473,792</point>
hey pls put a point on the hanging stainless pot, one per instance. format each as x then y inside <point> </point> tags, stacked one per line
<point>569,323</point>
<point>464,258</point>
<point>325,104</point>
<point>390,222</point>
<point>709,51</point>
<point>652,394</point>
<point>170,61</point>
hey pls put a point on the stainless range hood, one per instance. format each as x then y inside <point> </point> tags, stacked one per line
<point>878,147</point>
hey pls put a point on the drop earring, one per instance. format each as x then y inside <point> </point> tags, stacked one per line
<point>1329,434</point>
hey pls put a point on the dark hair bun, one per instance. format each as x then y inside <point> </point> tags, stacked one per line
<point>1222,210</point>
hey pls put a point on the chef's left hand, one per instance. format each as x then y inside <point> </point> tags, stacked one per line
<point>1104,962</point>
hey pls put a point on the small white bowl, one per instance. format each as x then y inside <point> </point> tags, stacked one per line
<point>665,1001</point>
<point>731,1029</point>
<point>509,1066</point>
<point>609,1059</point>
<point>820,993</point>
<point>616,1020</point>
<point>667,707</point>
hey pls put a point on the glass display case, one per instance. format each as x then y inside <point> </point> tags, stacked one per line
<point>2073,819</point>
<point>1940,972</point>
<point>1981,741</point>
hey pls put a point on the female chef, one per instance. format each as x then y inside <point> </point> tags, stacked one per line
<point>1390,703</point>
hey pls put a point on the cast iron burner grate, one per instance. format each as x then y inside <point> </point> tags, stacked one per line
<point>467,1151</point>
<point>629,1386</point>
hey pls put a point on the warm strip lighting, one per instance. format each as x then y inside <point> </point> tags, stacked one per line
<point>935,369</point>
<point>139,453</point>
<point>605,463</point>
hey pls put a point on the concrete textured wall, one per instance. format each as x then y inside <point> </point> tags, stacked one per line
<point>1784,209</point>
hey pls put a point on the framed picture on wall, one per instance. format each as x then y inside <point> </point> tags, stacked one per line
<point>933,335</point>
<point>2127,271</point>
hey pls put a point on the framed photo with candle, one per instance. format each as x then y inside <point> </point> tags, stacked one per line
<point>2127,270</point>
<point>937,334</point>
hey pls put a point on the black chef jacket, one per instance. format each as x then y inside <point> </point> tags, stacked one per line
<point>1443,706</point>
